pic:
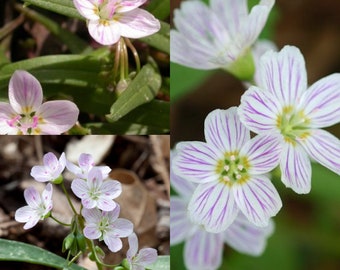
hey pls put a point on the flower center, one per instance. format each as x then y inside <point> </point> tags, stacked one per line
<point>293,124</point>
<point>107,9</point>
<point>233,168</point>
<point>26,123</point>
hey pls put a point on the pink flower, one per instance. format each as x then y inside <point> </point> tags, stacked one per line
<point>145,256</point>
<point>108,20</point>
<point>26,114</point>
<point>94,192</point>
<point>39,206</point>
<point>107,226</point>
<point>51,170</point>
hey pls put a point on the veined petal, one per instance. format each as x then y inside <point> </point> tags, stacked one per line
<point>212,205</point>
<point>133,246</point>
<point>23,214</point>
<point>181,227</point>
<point>258,199</point>
<point>58,116</point>
<point>94,179</point>
<point>107,33</point>
<point>321,102</point>
<point>86,161</point>
<point>146,256</point>
<point>224,130</point>
<point>91,231</point>
<point>123,227</point>
<point>259,110</point>
<point>296,171</point>
<point>87,8</point>
<point>247,238</point>
<point>40,174</point>
<point>7,127</point>
<point>284,74</point>
<point>111,188</point>
<point>91,215</point>
<point>196,161</point>
<point>105,204</point>
<point>32,197</point>
<point>24,92</point>
<point>46,196</point>
<point>32,222</point>
<point>80,188</point>
<point>324,148</point>
<point>262,152</point>
<point>113,243</point>
<point>137,23</point>
<point>114,214</point>
<point>203,251</point>
<point>125,6</point>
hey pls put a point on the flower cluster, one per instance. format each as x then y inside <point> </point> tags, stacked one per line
<point>26,114</point>
<point>99,214</point>
<point>226,194</point>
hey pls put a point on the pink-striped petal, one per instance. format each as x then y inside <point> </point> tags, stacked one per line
<point>247,238</point>
<point>126,5</point>
<point>94,179</point>
<point>91,215</point>
<point>32,197</point>
<point>224,130</point>
<point>87,8</point>
<point>138,23</point>
<point>258,199</point>
<point>113,243</point>
<point>212,205</point>
<point>111,188</point>
<point>24,214</point>
<point>105,204</point>
<point>40,174</point>
<point>7,124</point>
<point>91,231</point>
<point>262,152</point>
<point>24,92</point>
<point>114,214</point>
<point>296,171</point>
<point>321,102</point>
<point>203,251</point>
<point>85,161</point>
<point>324,148</point>
<point>259,110</point>
<point>284,74</point>
<point>196,161</point>
<point>58,116</point>
<point>122,227</point>
<point>179,220</point>
<point>105,34</point>
<point>133,246</point>
<point>80,188</point>
<point>145,257</point>
<point>46,196</point>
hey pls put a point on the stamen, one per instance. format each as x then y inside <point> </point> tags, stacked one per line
<point>226,168</point>
<point>232,158</point>
<point>240,167</point>
<point>226,178</point>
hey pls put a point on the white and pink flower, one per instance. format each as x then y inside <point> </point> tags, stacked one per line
<point>38,208</point>
<point>230,170</point>
<point>284,105</point>
<point>108,20</point>
<point>26,114</point>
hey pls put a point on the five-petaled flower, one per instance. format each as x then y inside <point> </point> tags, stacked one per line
<point>26,114</point>
<point>108,20</point>
<point>145,257</point>
<point>282,104</point>
<point>230,169</point>
<point>202,249</point>
<point>216,36</point>
<point>94,192</point>
<point>51,170</point>
<point>39,206</point>
<point>107,226</point>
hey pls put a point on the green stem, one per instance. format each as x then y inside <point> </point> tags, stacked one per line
<point>75,257</point>
<point>68,198</point>
<point>134,52</point>
<point>116,60</point>
<point>60,222</point>
<point>122,60</point>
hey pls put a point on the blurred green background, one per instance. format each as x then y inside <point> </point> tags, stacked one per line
<point>307,234</point>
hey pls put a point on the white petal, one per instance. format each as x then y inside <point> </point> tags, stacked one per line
<point>296,171</point>
<point>129,5</point>
<point>146,256</point>
<point>80,188</point>
<point>123,227</point>
<point>92,216</point>
<point>262,152</point>
<point>324,148</point>
<point>259,110</point>
<point>87,8</point>
<point>180,225</point>
<point>321,102</point>
<point>106,204</point>
<point>105,34</point>
<point>113,243</point>
<point>91,231</point>
<point>32,197</point>
<point>111,188</point>
<point>133,246</point>
<point>247,238</point>
<point>24,214</point>
<point>284,74</point>
<point>224,130</point>
<point>212,205</point>
<point>258,199</point>
<point>203,251</point>
<point>196,161</point>
<point>40,174</point>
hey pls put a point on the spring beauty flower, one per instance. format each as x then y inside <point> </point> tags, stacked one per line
<point>86,163</point>
<point>218,35</point>
<point>107,226</point>
<point>94,192</point>
<point>282,104</point>
<point>26,114</point>
<point>230,171</point>
<point>145,257</point>
<point>51,170</point>
<point>108,20</point>
<point>38,208</point>
<point>204,250</point>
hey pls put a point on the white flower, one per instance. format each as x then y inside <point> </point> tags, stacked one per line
<point>216,36</point>
<point>230,171</point>
<point>39,206</point>
<point>284,105</point>
<point>108,20</point>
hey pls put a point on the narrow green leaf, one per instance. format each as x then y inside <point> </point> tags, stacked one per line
<point>61,7</point>
<point>141,90</point>
<point>22,252</point>
<point>162,263</point>
<point>159,8</point>
<point>161,39</point>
